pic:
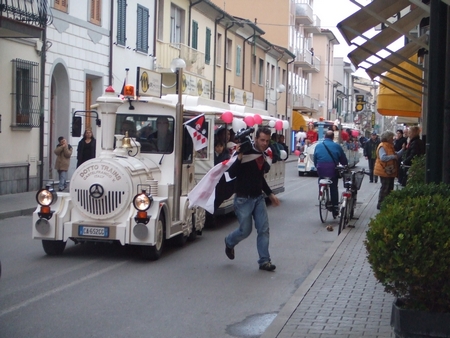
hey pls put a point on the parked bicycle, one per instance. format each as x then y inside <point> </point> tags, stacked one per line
<point>352,181</point>
<point>325,205</point>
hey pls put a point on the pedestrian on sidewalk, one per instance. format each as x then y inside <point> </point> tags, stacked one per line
<point>415,147</point>
<point>86,147</point>
<point>249,201</point>
<point>370,152</point>
<point>63,153</point>
<point>386,165</point>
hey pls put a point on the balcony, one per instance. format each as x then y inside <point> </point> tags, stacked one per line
<point>305,103</point>
<point>23,18</point>
<point>314,27</point>
<point>307,62</point>
<point>195,60</point>
<point>303,12</point>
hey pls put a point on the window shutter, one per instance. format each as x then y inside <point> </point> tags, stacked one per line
<point>121,22</point>
<point>194,34</point>
<point>95,15</point>
<point>208,46</point>
<point>142,29</point>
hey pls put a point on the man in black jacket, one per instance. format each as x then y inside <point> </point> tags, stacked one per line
<point>370,152</point>
<point>249,202</point>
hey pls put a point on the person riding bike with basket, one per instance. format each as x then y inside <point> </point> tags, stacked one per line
<point>327,156</point>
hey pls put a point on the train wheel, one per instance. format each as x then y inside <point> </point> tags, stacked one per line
<point>53,248</point>
<point>154,252</point>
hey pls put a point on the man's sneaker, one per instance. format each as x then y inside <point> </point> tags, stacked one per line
<point>229,251</point>
<point>267,266</point>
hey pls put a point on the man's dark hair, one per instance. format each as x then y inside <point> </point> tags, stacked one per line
<point>264,130</point>
<point>329,134</point>
<point>400,131</point>
<point>60,139</point>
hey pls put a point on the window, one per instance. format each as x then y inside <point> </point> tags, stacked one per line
<point>61,5</point>
<point>208,46</point>
<point>219,49</point>
<point>238,60</point>
<point>142,29</point>
<point>96,12</point>
<point>229,53</point>
<point>272,76</point>
<point>121,22</point>
<point>176,25</point>
<point>261,72</point>
<point>25,93</point>
<point>194,34</point>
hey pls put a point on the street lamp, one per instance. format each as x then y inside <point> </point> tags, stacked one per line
<point>176,66</point>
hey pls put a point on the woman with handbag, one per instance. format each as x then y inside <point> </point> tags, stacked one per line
<point>386,164</point>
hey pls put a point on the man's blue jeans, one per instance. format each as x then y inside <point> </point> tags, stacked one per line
<point>247,209</point>
<point>62,179</point>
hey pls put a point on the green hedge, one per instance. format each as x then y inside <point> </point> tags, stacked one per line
<point>408,245</point>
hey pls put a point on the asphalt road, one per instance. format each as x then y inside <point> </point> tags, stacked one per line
<point>194,291</point>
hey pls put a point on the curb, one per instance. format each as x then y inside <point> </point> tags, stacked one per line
<point>16,213</point>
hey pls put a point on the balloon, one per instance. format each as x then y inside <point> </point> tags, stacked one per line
<point>238,124</point>
<point>283,155</point>
<point>257,118</point>
<point>355,133</point>
<point>297,152</point>
<point>279,125</point>
<point>271,123</point>
<point>249,121</point>
<point>285,125</point>
<point>227,117</point>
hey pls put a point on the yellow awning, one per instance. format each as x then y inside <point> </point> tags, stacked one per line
<point>298,121</point>
<point>398,96</point>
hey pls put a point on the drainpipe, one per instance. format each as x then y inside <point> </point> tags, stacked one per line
<point>216,22</point>
<point>224,64</point>
<point>41,109</point>
<point>111,25</point>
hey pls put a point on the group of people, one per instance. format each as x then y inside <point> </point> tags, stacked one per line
<point>63,152</point>
<point>386,154</point>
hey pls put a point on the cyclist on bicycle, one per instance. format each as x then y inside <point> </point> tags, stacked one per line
<point>327,155</point>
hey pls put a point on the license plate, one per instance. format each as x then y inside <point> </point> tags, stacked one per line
<point>93,231</point>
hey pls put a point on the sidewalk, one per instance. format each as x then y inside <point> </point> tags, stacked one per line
<point>13,205</point>
<point>340,297</point>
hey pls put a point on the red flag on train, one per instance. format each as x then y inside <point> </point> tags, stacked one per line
<point>198,131</point>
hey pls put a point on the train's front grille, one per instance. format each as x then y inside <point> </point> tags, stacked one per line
<point>106,204</point>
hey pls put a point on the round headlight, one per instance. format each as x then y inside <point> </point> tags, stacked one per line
<point>142,201</point>
<point>45,197</point>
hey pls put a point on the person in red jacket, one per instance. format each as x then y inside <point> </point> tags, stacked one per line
<point>311,134</point>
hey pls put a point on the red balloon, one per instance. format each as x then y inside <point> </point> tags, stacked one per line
<point>297,152</point>
<point>257,118</point>
<point>355,133</point>
<point>227,117</point>
<point>279,125</point>
<point>249,121</point>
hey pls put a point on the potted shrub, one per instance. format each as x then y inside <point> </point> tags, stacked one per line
<point>408,245</point>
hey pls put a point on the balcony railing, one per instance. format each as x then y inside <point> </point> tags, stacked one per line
<point>315,26</point>
<point>30,12</point>
<point>303,12</point>
<point>307,61</point>
<point>195,60</point>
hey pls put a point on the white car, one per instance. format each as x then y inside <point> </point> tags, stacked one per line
<point>305,164</point>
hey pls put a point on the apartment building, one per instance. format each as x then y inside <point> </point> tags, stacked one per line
<point>22,25</point>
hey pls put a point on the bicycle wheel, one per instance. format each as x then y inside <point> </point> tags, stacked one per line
<point>351,208</point>
<point>353,205</point>
<point>323,201</point>
<point>343,220</point>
